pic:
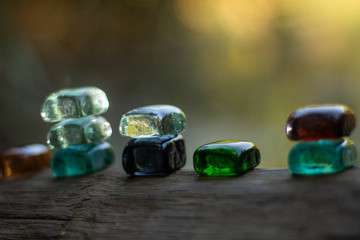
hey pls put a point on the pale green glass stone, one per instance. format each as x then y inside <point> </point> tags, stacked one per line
<point>74,103</point>
<point>154,120</point>
<point>76,131</point>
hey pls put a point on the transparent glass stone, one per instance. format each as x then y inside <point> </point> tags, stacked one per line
<point>76,131</point>
<point>74,103</point>
<point>154,120</point>
<point>154,156</point>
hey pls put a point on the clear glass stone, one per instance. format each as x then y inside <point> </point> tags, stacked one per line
<point>74,103</point>
<point>154,120</point>
<point>76,131</point>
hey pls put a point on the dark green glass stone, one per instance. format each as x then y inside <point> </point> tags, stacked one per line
<point>322,157</point>
<point>82,159</point>
<point>226,158</point>
<point>155,156</point>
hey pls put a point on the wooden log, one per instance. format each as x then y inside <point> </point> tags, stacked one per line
<point>262,204</point>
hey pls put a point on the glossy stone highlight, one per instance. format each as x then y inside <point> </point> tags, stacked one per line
<point>82,159</point>
<point>322,157</point>
<point>154,120</point>
<point>74,103</point>
<point>23,160</point>
<point>78,131</point>
<point>226,158</point>
<point>154,156</point>
<point>320,122</point>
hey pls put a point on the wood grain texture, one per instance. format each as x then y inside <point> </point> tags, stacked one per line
<point>262,204</point>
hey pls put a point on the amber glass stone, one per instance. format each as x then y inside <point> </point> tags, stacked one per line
<point>17,161</point>
<point>317,122</point>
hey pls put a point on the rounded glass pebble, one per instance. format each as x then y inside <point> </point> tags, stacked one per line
<point>226,158</point>
<point>78,131</point>
<point>152,121</point>
<point>154,156</point>
<point>74,103</point>
<point>322,157</point>
<point>317,122</point>
<point>22,160</point>
<point>82,159</point>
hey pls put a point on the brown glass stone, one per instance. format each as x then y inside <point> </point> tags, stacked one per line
<point>320,122</point>
<point>23,160</point>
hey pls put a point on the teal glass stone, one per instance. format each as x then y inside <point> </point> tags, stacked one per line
<point>226,158</point>
<point>76,131</point>
<point>322,157</point>
<point>82,159</point>
<point>153,121</point>
<point>74,103</point>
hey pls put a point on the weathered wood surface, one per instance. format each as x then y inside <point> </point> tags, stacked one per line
<point>263,204</point>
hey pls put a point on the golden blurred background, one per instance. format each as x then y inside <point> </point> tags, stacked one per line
<point>237,68</point>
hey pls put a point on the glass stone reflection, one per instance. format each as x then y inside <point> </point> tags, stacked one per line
<point>74,103</point>
<point>322,157</point>
<point>154,120</point>
<point>78,131</point>
<point>154,156</point>
<point>82,159</point>
<point>226,158</point>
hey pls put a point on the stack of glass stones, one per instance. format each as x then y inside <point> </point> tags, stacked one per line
<point>323,147</point>
<point>157,148</point>
<point>79,136</point>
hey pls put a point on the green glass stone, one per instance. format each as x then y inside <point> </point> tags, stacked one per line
<point>76,131</point>
<point>82,159</point>
<point>322,157</point>
<point>226,158</point>
<point>74,103</point>
<point>154,120</point>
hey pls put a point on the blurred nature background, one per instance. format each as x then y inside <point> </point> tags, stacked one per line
<point>236,68</point>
